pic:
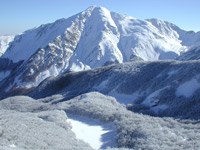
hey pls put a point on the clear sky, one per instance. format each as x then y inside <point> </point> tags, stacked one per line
<point>19,15</point>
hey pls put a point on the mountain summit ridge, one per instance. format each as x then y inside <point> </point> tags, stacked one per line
<point>92,38</point>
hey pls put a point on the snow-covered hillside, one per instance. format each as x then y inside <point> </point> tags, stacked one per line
<point>163,88</point>
<point>93,38</point>
<point>29,124</point>
<point>4,43</point>
<point>25,125</point>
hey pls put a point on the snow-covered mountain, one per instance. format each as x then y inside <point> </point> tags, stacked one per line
<point>78,100</point>
<point>4,43</point>
<point>93,38</point>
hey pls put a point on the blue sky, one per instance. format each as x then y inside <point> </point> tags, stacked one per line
<point>19,15</point>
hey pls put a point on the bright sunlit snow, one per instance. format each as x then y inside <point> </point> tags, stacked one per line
<point>96,134</point>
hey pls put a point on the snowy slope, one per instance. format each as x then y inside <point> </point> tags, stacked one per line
<point>63,33</point>
<point>134,131</point>
<point>4,43</point>
<point>29,124</point>
<point>25,125</point>
<point>160,88</point>
<point>92,131</point>
<point>109,32</point>
<point>93,38</point>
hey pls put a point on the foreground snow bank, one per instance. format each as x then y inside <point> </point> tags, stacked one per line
<point>97,134</point>
<point>29,124</point>
<point>135,131</point>
<point>26,124</point>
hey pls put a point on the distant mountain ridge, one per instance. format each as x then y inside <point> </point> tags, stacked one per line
<point>93,38</point>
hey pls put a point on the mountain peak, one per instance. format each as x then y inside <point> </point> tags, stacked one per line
<point>96,9</point>
<point>93,38</point>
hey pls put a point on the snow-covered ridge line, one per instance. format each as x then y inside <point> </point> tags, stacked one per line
<point>93,38</point>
